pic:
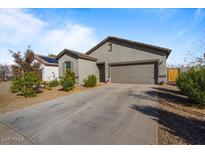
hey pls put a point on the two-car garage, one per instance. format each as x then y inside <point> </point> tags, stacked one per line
<point>125,61</point>
<point>135,73</point>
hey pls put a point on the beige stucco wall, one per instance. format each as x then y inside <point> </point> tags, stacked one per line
<point>123,53</point>
<point>64,58</point>
<point>87,67</point>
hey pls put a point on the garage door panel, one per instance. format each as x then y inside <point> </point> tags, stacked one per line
<point>136,73</point>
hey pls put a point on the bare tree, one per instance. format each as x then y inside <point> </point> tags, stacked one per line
<point>5,71</point>
<point>200,42</point>
<point>191,58</point>
<point>174,65</point>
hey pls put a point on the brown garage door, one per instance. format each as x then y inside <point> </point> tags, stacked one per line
<point>134,73</point>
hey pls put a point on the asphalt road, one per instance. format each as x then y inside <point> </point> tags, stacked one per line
<point>112,114</point>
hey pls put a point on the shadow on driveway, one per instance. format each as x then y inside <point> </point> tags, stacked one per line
<point>171,95</point>
<point>190,129</point>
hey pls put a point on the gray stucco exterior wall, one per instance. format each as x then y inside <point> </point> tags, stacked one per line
<point>81,67</point>
<point>75,62</point>
<point>124,53</point>
<point>87,67</point>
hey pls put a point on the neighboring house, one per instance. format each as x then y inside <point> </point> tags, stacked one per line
<point>49,66</point>
<point>118,60</point>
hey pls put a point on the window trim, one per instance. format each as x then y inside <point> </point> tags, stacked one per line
<point>65,66</point>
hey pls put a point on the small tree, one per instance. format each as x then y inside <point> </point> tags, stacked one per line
<point>68,81</point>
<point>25,85</point>
<point>25,72</point>
<point>24,62</point>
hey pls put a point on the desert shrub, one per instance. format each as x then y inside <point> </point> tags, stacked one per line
<point>25,85</point>
<point>91,81</point>
<point>16,85</point>
<point>54,83</point>
<point>192,84</point>
<point>46,85</point>
<point>50,84</point>
<point>68,81</point>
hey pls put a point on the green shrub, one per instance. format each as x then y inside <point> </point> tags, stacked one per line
<point>54,83</point>
<point>46,85</point>
<point>25,85</point>
<point>68,81</point>
<point>192,84</point>
<point>91,81</point>
<point>16,85</point>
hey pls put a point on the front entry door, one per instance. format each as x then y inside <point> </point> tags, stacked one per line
<point>101,68</point>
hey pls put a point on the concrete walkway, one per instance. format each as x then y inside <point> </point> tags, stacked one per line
<point>102,115</point>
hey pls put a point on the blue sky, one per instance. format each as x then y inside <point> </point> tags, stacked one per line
<point>52,30</point>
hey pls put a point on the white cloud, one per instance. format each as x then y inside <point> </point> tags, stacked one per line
<point>17,26</point>
<point>18,29</point>
<point>199,15</point>
<point>72,36</point>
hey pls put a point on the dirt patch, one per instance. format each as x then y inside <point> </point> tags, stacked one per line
<point>179,122</point>
<point>10,102</point>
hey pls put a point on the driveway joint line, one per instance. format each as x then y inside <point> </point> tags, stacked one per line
<point>19,132</point>
<point>115,129</point>
<point>62,120</point>
<point>66,120</point>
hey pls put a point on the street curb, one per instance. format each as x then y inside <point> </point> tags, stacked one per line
<point>19,132</point>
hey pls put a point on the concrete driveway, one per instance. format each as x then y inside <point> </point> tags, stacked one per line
<point>102,115</point>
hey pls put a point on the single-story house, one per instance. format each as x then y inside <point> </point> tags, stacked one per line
<point>82,65</point>
<point>49,67</point>
<point>117,60</point>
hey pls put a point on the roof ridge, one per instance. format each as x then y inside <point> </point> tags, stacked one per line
<point>167,50</point>
<point>148,44</point>
<point>76,53</point>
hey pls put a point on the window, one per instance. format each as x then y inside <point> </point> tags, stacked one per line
<point>110,47</point>
<point>68,65</point>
